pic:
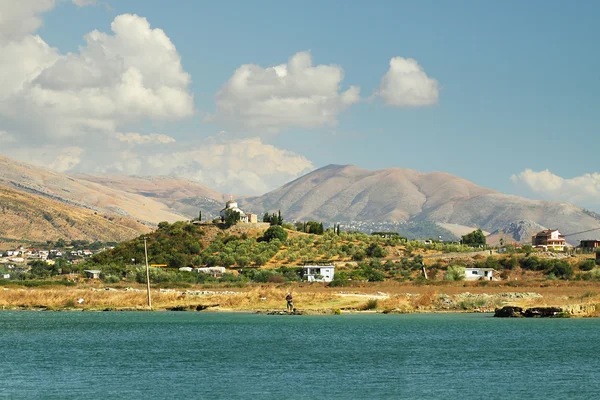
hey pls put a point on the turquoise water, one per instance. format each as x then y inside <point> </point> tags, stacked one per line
<point>86,355</point>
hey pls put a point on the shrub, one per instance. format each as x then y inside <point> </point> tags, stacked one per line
<point>561,269</point>
<point>455,273</point>
<point>275,232</point>
<point>371,304</point>
<point>375,250</point>
<point>587,265</point>
<point>531,263</point>
<point>111,279</point>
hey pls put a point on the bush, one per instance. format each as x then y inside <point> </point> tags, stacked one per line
<point>371,304</point>
<point>455,273</point>
<point>111,279</point>
<point>375,250</point>
<point>587,265</point>
<point>561,269</point>
<point>275,232</point>
<point>531,263</point>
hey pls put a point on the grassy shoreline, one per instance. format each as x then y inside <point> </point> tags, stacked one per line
<point>576,298</point>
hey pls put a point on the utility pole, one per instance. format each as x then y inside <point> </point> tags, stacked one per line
<point>147,274</point>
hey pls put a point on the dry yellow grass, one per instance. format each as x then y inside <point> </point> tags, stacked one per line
<point>580,297</point>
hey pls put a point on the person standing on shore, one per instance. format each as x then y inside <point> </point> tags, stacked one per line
<point>290,302</point>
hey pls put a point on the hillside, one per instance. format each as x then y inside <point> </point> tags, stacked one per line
<point>25,216</point>
<point>180,196</point>
<point>416,204</point>
<point>348,193</point>
<point>82,193</point>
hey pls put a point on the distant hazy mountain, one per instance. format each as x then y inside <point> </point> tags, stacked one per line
<point>180,196</point>
<point>83,193</point>
<point>518,231</point>
<point>348,193</point>
<point>407,201</point>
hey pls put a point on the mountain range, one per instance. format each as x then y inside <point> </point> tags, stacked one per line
<point>345,194</point>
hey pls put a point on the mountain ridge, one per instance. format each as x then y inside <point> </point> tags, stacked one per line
<point>387,198</point>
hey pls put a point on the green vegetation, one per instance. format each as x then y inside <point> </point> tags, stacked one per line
<point>371,304</point>
<point>475,238</point>
<point>275,232</point>
<point>455,273</point>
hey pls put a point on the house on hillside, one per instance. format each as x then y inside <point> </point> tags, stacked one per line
<point>549,239</point>
<point>589,244</point>
<point>92,273</point>
<point>232,206</point>
<point>477,274</point>
<point>318,273</point>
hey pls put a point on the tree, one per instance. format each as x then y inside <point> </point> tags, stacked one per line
<point>474,238</point>
<point>455,273</point>
<point>231,217</point>
<point>275,232</point>
<point>561,269</point>
<point>375,250</point>
<point>199,215</point>
<point>279,218</point>
<point>314,227</point>
<point>266,217</point>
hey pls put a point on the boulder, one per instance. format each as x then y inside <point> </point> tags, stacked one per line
<point>542,312</point>
<point>509,312</point>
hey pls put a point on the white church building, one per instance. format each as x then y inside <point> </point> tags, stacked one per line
<point>232,206</point>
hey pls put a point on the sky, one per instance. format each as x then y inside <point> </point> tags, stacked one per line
<point>246,96</point>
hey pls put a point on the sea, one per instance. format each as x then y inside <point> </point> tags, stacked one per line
<point>201,355</point>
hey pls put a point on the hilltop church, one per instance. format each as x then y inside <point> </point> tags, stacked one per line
<point>232,206</point>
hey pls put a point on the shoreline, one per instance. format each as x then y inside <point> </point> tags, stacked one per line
<point>575,299</point>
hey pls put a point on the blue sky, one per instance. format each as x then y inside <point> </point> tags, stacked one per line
<point>518,84</point>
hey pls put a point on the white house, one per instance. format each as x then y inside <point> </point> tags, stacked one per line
<point>318,273</point>
<point>232,206</point>
<point>214,271</point>
<point>549,239</point>
<point>476,274</point>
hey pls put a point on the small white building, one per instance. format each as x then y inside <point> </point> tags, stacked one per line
<point>214,271</point>
<point>5,276</point>
<point>476,274</point>
<point>232,206</point>
<point>318,273</point>
<point>93,273</point>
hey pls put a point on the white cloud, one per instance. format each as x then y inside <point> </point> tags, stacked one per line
<point>144,139</point>
<point>21,17</point>
<point>131,75</point>
<point>84,3</point>
<point>67,159</point>
<point>293,94</point>
<point>405,84</point>
<point>229,165</point>
<point>74,112</point>
<point>583,190</point>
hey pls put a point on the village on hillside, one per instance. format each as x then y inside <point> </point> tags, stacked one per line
<point>221,261</point>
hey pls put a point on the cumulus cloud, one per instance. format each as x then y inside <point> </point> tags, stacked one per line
<point>583,190</point>
<point>75,112</point>
<point>144,139</point>
<point>21,17</point>
<point>406,84</point>
<point>296,94</point>
<point>131,75</point>
<point>67,159</point>
<point>229,165</point>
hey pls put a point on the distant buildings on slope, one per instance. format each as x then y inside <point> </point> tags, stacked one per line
<point>232,206</point>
